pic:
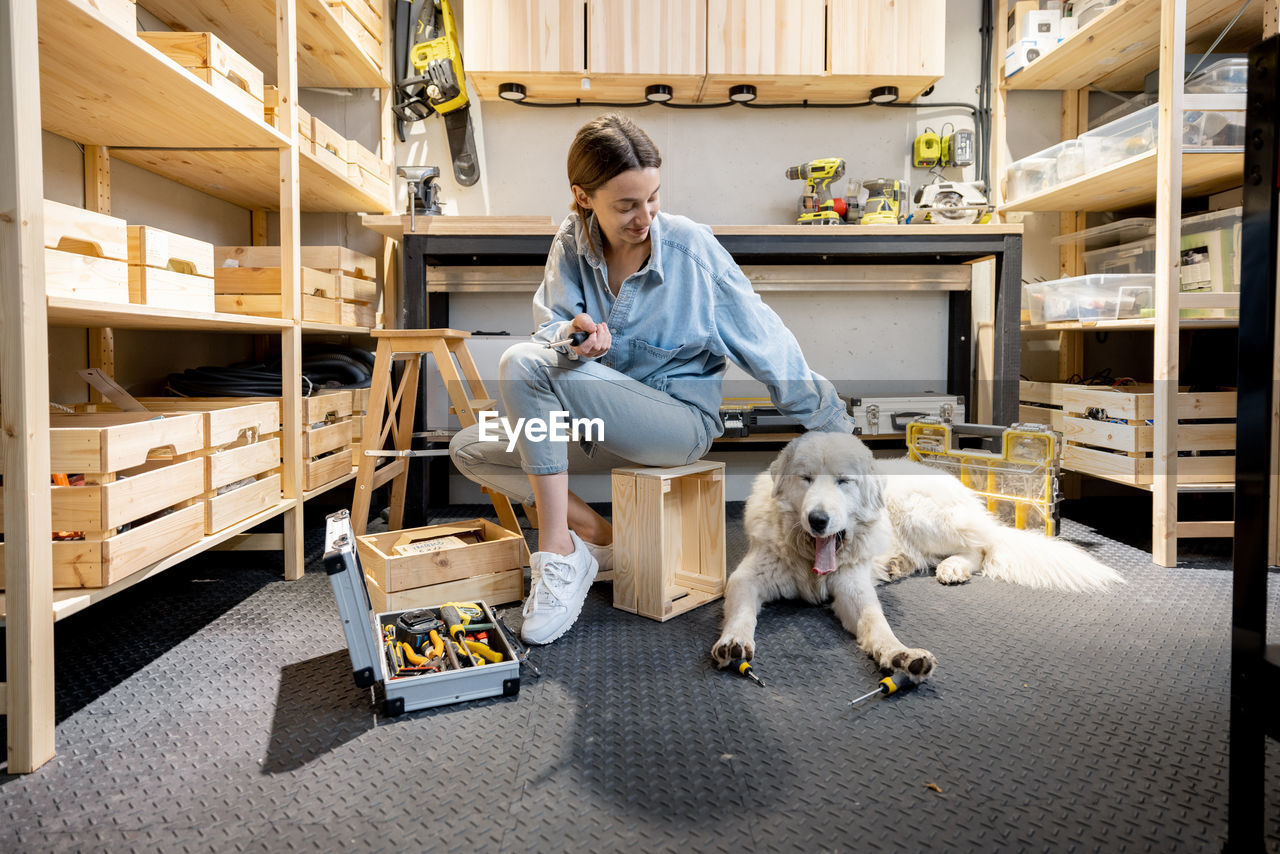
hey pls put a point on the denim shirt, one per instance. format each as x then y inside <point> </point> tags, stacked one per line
<point>676,320</point>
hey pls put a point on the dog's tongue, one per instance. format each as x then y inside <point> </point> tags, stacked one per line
<point>824,554</point>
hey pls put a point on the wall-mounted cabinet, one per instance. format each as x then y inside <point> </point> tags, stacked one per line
<point>824,51</point>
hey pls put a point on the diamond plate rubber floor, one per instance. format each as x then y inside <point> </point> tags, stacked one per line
<point>212,709</point>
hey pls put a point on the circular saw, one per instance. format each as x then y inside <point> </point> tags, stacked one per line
<point>952,202</point>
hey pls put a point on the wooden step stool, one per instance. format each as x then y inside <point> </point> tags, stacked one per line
<point>668,538</point>
<point>391,414</point>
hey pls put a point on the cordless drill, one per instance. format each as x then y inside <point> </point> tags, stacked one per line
<point>816,205</point>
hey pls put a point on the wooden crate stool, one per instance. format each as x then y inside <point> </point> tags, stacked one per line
<point>391,414</point>
<point>668,538</point>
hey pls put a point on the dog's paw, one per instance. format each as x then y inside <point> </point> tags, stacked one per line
<point>954,570</point>
<point>731,648</point>
<point>916,663</point>
<point>894,568</point>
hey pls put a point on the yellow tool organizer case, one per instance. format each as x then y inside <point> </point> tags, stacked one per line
<point>1019,482</point>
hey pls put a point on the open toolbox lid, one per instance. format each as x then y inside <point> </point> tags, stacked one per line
<point>353,598</point>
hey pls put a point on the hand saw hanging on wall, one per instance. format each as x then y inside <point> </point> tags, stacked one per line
<point>430,79</point>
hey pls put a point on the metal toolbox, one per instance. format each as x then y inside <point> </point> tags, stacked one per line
<point>363,630</point>
<point>880,416</point>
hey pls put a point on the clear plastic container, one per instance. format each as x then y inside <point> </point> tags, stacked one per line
<point>1087,10</point>
<point>1111,234</point>
<point>1212,128</point>
<point>1121,139</point>
<point>1070,158</point>
<point>1031,175</point>
<point>1131,105</point>
<point>1225,77</point>
<point>1127,258</point>
<point>1092,297</point>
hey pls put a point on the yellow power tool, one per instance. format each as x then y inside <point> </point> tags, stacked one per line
<point>884,201</point>
<point>816,205</point>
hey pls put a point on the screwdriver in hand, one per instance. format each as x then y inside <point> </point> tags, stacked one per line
<point>888,685</point>
<point>575,339</point>
<point>744,667</point>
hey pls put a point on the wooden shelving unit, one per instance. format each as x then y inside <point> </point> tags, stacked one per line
<point>141,107</point>
<point>1116,52</point>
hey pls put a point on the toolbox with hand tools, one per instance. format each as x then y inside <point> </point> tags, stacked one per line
<point>879,416</point>
<point>424,657</point>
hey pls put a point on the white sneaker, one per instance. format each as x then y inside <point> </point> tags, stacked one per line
<point>560,585</point>
<point>602,554</point>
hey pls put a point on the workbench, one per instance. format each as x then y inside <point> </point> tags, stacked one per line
<point>440,243</point>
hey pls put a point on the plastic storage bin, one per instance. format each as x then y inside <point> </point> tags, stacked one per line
<point>1111,234</point>
<point>1130,105</point>
<point>1137,257</point>
<point>1092,297</point>
<point>1121,139</point>
<point>1225,77</point>
<point>1210,256</point>
<point>1031,175</point>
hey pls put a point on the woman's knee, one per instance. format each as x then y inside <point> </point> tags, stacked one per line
<point>521,362</point>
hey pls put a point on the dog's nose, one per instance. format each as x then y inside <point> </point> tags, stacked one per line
<point>818,521</point>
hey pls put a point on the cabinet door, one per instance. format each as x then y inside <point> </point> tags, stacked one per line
<point>540,44</point>
<point>766,37</point>
<point>888,39</point>
<point>659,38</point>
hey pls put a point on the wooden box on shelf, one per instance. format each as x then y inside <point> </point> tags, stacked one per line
<point>326,438</point>
<point>479,560</point>
<point>328,146</point>
<point>1108,433</point>
<point>305,127</point>
<point>140,470</point>
<point>241,454</point>
<point>359,408</point>
<point>363,23</point>
<point>170,271</point>
<point>365,168</point>
<point>668,538</point>
<point>257,291</point>
<point>346,278</point>
<point>86,254</point>
<point>232,78</point>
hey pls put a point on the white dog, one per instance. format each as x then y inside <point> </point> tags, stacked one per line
<point>826,520</point>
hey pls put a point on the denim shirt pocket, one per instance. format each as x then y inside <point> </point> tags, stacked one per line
<point>651,365</point>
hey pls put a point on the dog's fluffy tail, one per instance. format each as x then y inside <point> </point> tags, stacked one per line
<point>1034,560</point>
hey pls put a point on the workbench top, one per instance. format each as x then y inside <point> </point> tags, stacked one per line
<point>395,227</point>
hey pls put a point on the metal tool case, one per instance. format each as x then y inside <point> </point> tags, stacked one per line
<point>364,639</point>
<point>876,416</point>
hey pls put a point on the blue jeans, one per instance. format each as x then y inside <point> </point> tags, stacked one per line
<point>638,425</point>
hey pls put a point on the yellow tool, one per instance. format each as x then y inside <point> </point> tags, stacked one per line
<point>884,201</point>
<point>437,645</point>
<point>411,656</point>
<point>439,62</point>
<point>1019,482</point>
<point>927,150</point>
<point>888,685</point>
<point>816,205</point>
<point>457,628</point>
<point>744,667</point>
<point>483,650</point>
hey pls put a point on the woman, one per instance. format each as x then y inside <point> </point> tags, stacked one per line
<point>662,305</point>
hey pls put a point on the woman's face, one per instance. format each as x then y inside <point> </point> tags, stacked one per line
<point>624,206</point>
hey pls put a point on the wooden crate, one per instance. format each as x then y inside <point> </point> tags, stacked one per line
<point>86,254</point>
<point>257,291</point>
<point>491,571</point>
<point>241,458</point>
<point>170,271</point>
<point>359,408</point>
<point>1107,431</point>
<point>331,259</point>
<point>328,146</point>
<point>135,465</point>
<point>304,124</point>
<point>326,438</point>
<point>229,75</point>
<point>668,538</point>
<point>359,300</point>
<point>361,159</point>
<point>356,19</point>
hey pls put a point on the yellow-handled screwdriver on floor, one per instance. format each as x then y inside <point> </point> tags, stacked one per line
<point>744,667</point>
<point>888,685</point>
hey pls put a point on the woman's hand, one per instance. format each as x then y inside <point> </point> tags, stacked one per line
<point>598,339</point>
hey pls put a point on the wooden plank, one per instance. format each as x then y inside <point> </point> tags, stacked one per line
<point>1224,530</point>
<point>84,277</point>
<point>1133,182</point>
<point>87,314</point>
<point>251,543</point>
<point>327,438</point>
<point>648,522</point>
<point>326,469</point>
<point>24,389</point>
<point>111,442</point>
<point>524,36</point>
<point>500,551</point>
<point>207,51</point>
<point>876,38</point>
<point>667,38</point>
<point>85,232</point>
<point>170,289</point>
<point>747,38</point>
<point>226,467</point>
<point>93,508</point>
<point>224,510</point>
<point>495,589</point>
<point>626,542</point>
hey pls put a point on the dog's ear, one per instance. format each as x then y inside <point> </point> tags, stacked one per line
<point>778,466</point>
